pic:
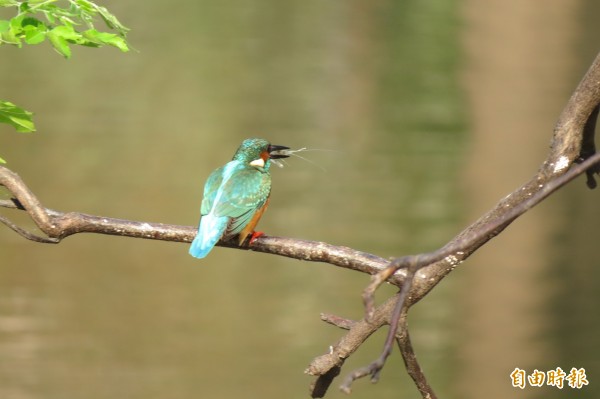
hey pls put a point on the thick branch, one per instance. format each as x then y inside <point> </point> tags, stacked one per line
<point>59,225</point>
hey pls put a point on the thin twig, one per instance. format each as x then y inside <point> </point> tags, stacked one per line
<point>588,148</point>
<point>410,359</point>
<point>331,362</point>
<point>337,321</point>
<point>26,234</point>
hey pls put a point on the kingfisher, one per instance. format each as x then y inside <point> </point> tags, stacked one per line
<point>236,196</point>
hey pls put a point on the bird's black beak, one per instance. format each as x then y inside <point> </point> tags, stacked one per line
<point>278,151</point>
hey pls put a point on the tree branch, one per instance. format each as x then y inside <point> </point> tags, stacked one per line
<point>59,225</point>
<point>572,141</point>
<point>410,360</point>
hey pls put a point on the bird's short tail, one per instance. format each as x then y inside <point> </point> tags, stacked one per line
<point>198,249</point>
<point>210,231</point>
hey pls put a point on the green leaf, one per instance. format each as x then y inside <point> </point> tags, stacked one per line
<point>67,32</point>
<point>10,33</point>
<point>17,117</point>
<point>60,36</point>
<point>110,39</point>
<point>16,25</point>
<point>2,160</point>
<point>9,38</point>
<point>34,30</point>
<point>60,44</point>
<point>35,34</point>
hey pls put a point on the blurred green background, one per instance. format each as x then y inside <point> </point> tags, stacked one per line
<point>427,112</point>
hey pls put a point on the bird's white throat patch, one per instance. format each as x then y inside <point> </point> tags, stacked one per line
<point>259,163</point>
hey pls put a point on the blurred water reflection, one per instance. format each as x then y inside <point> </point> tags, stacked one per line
<point>375,84</point>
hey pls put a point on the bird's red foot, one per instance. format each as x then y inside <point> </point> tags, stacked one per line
<point>254,236</point>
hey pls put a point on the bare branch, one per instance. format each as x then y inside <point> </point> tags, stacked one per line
<point>323,366</point>
<point>337,321</point>
<point>567,141</point>
<point>374,368</point>
<point>26,234</point>
<point>410,359</point>
<point>588,147</point>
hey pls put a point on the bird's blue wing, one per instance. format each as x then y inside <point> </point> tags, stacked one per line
<point>211,187</point>
<point>211,227</point>
<point>243,194</point>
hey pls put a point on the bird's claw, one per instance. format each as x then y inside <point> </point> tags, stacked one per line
<point>254,236</point>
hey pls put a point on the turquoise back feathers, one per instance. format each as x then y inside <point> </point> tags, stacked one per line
<point>235,196</point>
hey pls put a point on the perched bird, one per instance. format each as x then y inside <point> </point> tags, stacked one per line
<point>236,195</point>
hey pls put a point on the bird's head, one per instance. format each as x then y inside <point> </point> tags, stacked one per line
<point>258,153</point>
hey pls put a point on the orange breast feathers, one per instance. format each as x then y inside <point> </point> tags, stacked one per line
<point>249,229</point>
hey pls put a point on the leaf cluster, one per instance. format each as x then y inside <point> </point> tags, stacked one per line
<point>63,23</point>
